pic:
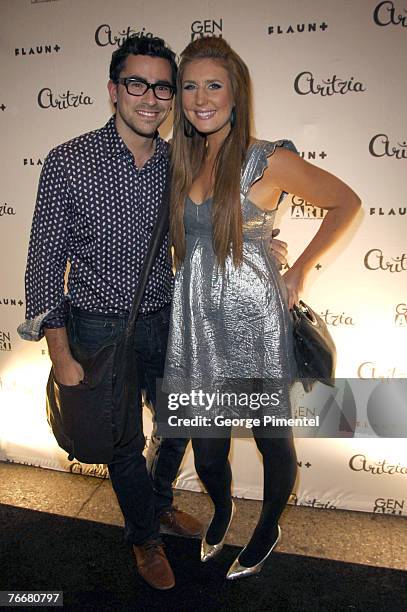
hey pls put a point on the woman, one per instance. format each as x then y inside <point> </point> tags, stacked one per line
<point>230,315</point>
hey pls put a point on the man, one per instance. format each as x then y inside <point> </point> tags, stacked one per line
<point>97,202</point>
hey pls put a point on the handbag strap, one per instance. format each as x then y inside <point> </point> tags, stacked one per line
<point>159,231</point>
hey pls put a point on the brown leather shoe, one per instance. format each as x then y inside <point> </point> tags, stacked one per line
<point>153,565</point>
<point>181,523</point>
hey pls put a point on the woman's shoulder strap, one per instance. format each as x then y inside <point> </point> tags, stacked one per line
<point>256,161</point>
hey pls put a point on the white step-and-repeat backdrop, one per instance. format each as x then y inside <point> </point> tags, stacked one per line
<point>328,75</point>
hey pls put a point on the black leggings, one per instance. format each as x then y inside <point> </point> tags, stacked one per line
<point>279,470</point>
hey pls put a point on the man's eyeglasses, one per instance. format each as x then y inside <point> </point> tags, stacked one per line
<point>138,87</point>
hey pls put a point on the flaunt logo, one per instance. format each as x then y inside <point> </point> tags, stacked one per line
<point>386,14</point>
<point>33,161</point>
<point>305,464</point>
<point>10,302</point>
<point>390,212</point>
<point>380,146</point>
<point>5,341</point>
<point>313,154</point>
<point>37,50</point>
<point>298,28</point>
<point>48,99</point>
<point>206,27</point>
<point>305,83</point>
<point>301,209</point>
<point>105,36</point>
<point>400,316</point>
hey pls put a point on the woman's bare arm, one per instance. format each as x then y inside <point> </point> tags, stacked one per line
<point>288,172</point>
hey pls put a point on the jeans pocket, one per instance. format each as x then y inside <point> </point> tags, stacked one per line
<point>92,334</point>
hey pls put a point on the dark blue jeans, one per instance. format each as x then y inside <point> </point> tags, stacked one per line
<point>143,494</point>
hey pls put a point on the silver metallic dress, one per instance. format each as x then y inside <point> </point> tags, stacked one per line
<point>232,323</point>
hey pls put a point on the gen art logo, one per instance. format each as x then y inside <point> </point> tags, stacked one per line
<point>389,505</point>
<point>301,209</point>
<point>5,341</point>
<point>400,317</point>
<point>206,27</point>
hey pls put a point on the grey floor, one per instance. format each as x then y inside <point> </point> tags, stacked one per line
<point>370,539</point>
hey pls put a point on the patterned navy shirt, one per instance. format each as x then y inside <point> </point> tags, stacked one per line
<point>95,209</point>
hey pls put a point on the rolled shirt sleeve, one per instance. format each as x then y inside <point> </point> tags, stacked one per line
<point>46,302</point>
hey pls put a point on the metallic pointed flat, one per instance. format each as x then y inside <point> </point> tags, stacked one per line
<point>239,571</point>
<point>209,551</point>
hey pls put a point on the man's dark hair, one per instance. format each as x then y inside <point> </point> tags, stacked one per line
<point>153,47</point>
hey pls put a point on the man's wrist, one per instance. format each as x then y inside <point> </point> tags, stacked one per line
<point>61,359</point>
<point>58,347</point>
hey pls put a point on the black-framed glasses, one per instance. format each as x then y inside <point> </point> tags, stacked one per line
<point>136,86</point>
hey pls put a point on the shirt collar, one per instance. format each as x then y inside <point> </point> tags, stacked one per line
<point>113,143</point>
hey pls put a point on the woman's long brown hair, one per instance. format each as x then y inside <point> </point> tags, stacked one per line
<point>188,154</point>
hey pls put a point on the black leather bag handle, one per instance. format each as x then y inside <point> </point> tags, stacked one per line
<point>160,229</point>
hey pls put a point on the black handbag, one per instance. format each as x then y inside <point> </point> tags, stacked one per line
<point>81,416</point>
<point>314,348</point>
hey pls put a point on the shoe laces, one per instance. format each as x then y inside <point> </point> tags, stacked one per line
<point>151,545</point>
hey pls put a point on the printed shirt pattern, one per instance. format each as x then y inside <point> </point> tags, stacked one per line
<point>97,210</point>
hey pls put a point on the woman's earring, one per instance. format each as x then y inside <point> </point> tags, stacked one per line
<point>233,117</point>
<point>189,129</point>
